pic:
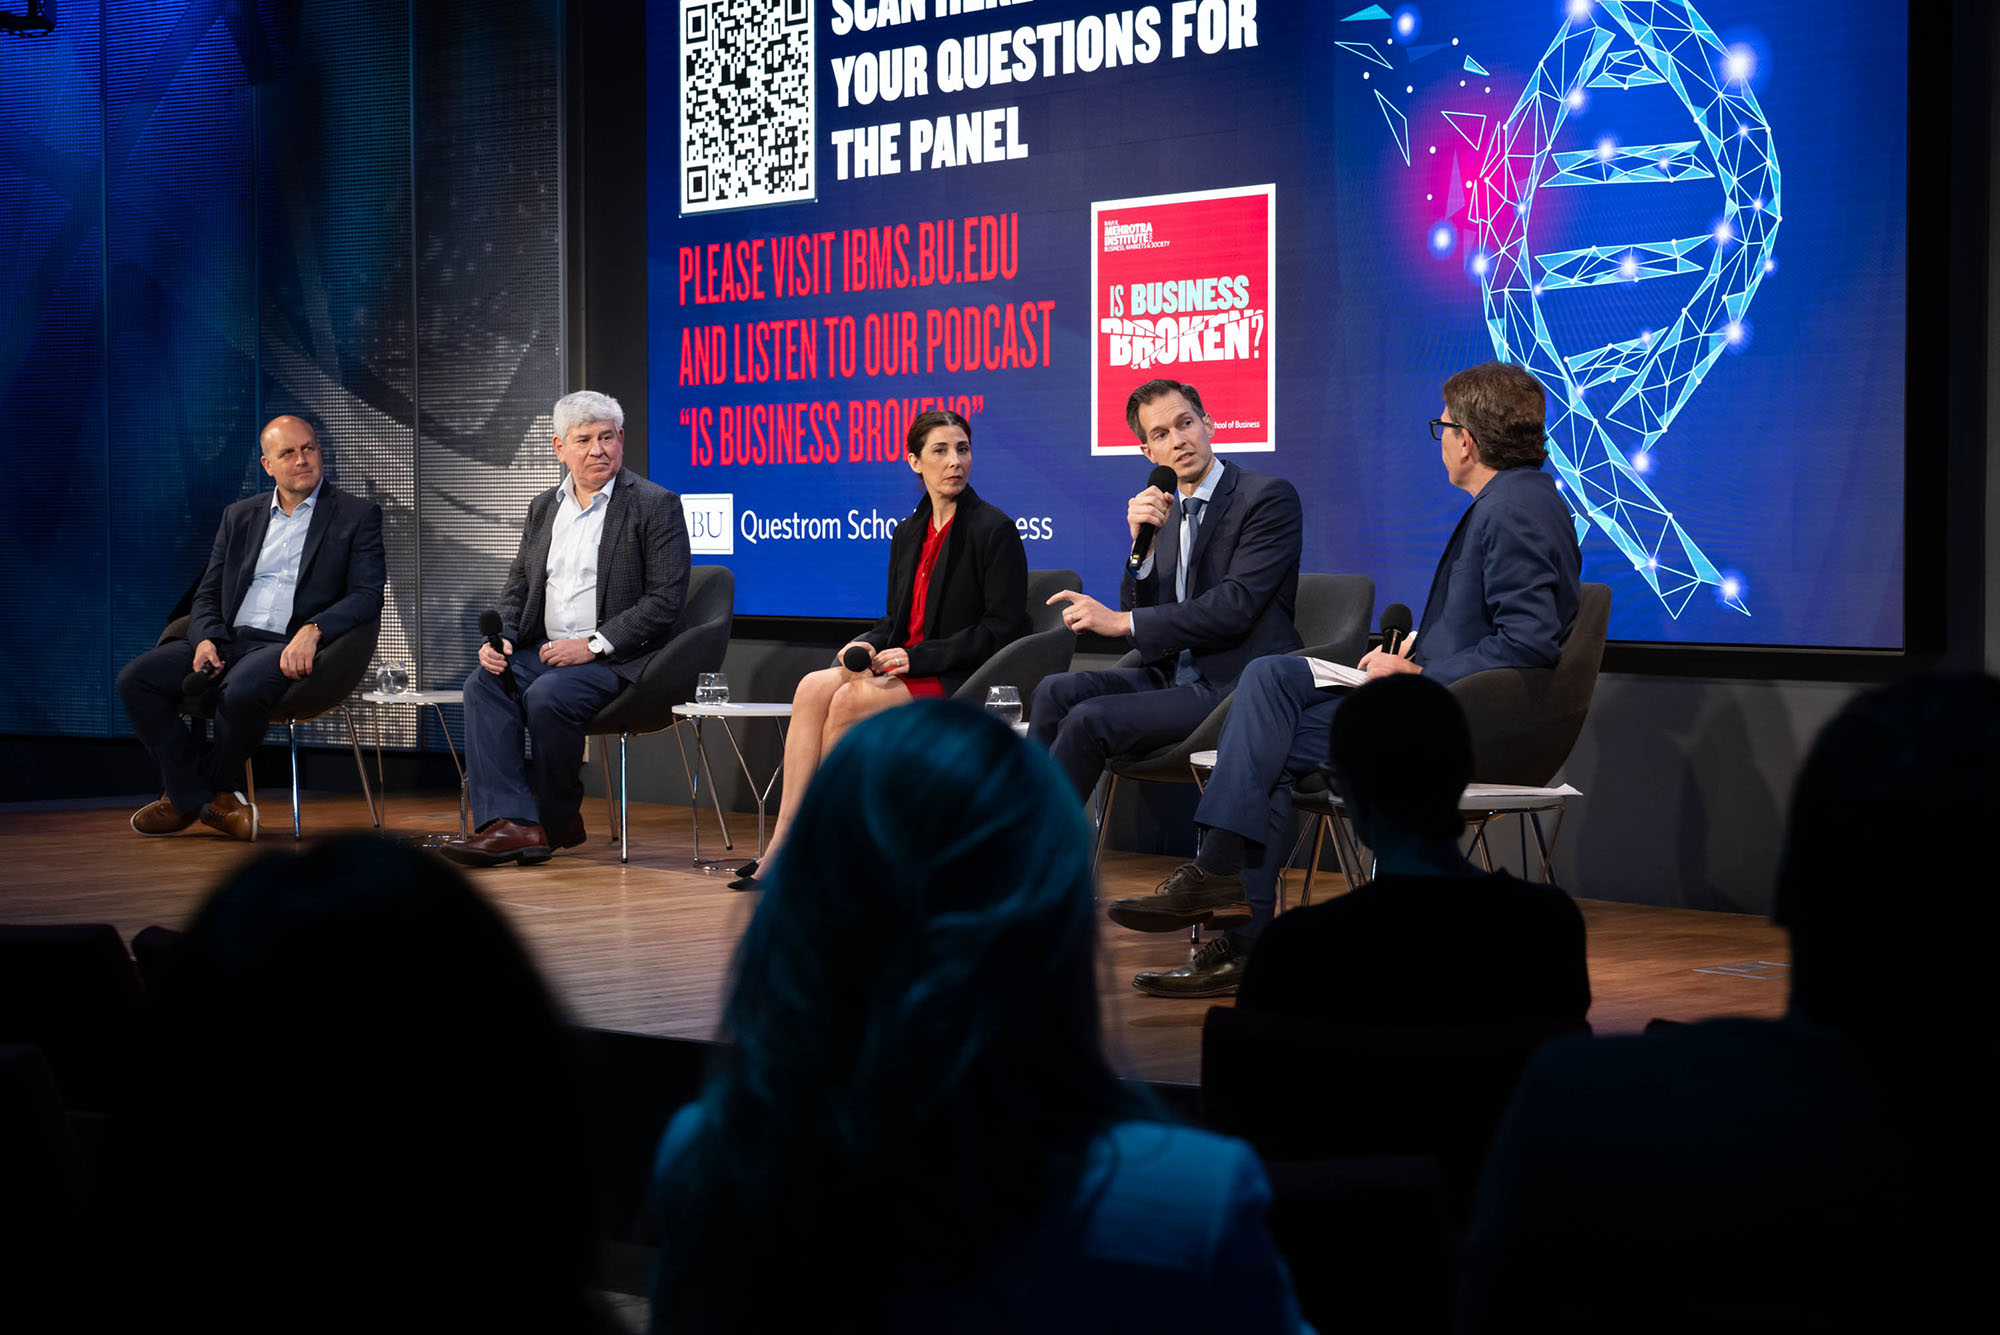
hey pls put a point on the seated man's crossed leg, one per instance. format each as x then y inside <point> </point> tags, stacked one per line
<point>1277,730</point>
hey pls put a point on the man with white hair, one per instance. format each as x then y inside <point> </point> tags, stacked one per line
<point>594,591</point>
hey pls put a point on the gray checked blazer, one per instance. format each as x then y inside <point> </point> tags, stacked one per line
<point>642,572</point>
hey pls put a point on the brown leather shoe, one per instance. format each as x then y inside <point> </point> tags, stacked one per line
<point>501,841</point>
<point>162,817</point>
<point>568,834</point>
<point>232,814</point>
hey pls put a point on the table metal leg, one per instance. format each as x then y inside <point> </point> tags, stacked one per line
<point>715,795</point>
<point>464,793</point>
<point>764,795</point>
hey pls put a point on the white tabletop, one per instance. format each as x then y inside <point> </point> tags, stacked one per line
<point>734,709</point>
<point>414,698</point>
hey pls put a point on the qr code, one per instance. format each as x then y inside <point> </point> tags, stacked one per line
<point>746,103</point>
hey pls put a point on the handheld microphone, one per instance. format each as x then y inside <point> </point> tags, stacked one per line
<point>489,626</point>
<point>1396,623</point>
<point>199,688</point>
<point>855,658</point>
<point>1161,479</point>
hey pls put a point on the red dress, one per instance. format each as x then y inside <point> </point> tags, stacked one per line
<point>925,688</point>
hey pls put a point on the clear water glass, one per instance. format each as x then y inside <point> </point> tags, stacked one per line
<point>1004,701</point>
<point>393,677</point>
<point>711,688</point>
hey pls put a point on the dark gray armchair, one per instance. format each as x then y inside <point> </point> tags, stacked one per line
<point>1043,652</point>
<point>1332,618</point>
<point>337,669</point>
<point>647,705</point>
<point>1523,721</point>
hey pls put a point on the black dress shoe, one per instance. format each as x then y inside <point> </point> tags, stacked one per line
<point>568,834</point>
<point>1214,971</point>
<point>1189,895</point>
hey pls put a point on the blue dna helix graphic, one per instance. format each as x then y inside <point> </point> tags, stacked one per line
<point>1599,458</point>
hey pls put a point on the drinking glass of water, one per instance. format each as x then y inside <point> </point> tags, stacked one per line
<point>393,677</point>
<point>711,688</point>
<point>1004,701</point>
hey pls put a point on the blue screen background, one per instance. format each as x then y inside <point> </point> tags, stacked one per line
<point>1784,466</point>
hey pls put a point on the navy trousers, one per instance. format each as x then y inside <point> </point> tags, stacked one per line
<point>1085,718</point>
<point>546,790</point>
<point>1280,727</point>
<point>150,686</point>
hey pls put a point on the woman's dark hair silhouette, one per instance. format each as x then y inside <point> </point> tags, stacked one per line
<point>916,1071</point>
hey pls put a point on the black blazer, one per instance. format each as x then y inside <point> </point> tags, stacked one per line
<point>1243,581</point>
<point>978,599</point>
<point>341,573</point>
<point>642,572</point>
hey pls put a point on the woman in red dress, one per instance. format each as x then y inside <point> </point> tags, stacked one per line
<point>958,591</point>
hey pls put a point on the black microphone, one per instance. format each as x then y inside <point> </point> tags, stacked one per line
<point>1395,626</point>
<point>856,658</point>
<point>489,626</point>
<point>1161,479</point>
<point>199,687</point>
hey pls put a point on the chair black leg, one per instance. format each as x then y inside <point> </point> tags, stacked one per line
<point>1312,864</point>
<point>361,768</point>
<point>610,803</point>
<point>1107,793</point>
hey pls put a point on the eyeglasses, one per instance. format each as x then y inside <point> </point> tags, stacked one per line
<point>1438,424</point>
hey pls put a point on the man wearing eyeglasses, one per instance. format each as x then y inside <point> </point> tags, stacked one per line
<point>1505,595</point>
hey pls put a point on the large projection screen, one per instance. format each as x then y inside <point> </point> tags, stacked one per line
<point>1687,219</point>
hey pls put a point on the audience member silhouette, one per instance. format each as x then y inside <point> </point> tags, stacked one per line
<point>1830,1171</point>
<point>916,1128</point>
<point>1430,939</point>
<point>368,1115</point>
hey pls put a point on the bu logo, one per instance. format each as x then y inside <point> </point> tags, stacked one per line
<point>711,523</point>
<point>1611,405</point>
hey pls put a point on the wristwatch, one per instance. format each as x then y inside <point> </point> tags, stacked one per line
<point>598,644</point>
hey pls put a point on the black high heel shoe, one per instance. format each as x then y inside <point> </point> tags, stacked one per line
<point>746,877</point>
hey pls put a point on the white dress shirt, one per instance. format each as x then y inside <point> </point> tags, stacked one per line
<point>267,605</point>
<point>570,603</point>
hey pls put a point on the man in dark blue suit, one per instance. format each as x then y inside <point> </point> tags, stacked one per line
<point>1216,591</point>
<point>289,571</point>
<point>595,590</point>
<point>1505,595</point>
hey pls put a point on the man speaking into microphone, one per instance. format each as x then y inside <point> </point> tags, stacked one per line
<point>1211,584</point>
<point>1505,595</point>
<point>594,591</point>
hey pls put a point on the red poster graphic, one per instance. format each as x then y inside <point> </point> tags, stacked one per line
<point>1182,287</point>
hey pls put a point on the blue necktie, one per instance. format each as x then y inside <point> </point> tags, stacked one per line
<point>1185,672</point>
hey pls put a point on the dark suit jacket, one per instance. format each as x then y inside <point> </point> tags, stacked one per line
<point>1506,589</point>
<point>642,572</point>
<point>341,573</point>
<point>978,598</point>
<point>1432,950</point>
<point>1243,581</point>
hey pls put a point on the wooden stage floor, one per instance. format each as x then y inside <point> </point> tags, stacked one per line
<point>645,946</point>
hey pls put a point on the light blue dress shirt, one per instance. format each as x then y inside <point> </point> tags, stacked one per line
<point>268,603</point>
